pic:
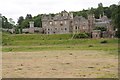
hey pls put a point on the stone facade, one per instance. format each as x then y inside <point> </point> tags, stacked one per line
<point>106,23</point>
<point>64,22</point>
<point>59,24</point>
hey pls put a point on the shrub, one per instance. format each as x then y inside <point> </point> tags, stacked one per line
<point>80,35</point>
<point>104,41</point>
<point>90,46</point>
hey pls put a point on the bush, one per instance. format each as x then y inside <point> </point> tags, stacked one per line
<point>90,46</point>
<point>104,41</point>
<point>80,35</point>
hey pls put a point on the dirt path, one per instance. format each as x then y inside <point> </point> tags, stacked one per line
<point>55,64</point>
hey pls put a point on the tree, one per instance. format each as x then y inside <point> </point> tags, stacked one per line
<point>20,20</point>
<point>25,24</point>
<point>6,24</point>
<point>91,11</point>
<point>100,28</point>
<point>116,19</point>
<point>37,21</point>
<point>28,16</point>
<point>100,10</point>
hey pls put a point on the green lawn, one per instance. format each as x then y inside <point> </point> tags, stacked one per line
<point>38,42</point>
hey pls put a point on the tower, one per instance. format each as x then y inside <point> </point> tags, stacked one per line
<point>91,21</point>
<point>31,29</point>
<point>71,15</point>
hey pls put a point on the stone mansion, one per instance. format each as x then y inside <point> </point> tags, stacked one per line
<point>64,23</point>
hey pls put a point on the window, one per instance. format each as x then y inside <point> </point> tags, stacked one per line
<point>48,29</point>
<point>65,22</point>
<point>55,22</point>
<point>55,28</point>
<point>70,21</point>
<point>65,28</point>
<point>76,27</point>
<point>61,22</point>
<point>50,22</point>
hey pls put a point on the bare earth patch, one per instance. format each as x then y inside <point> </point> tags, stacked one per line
<point>57,64</point>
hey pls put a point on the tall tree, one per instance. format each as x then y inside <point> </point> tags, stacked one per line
<point>28,16</point>
<point>107,12</point>
<point>6,24</point>
<point>116,19</point>
<point>100,9</point>
<point>37,21</point>
<point>20,20</point>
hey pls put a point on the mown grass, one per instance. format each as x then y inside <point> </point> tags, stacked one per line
<point>38,42</point>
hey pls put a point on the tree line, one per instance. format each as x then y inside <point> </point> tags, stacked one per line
<point>112,12</point>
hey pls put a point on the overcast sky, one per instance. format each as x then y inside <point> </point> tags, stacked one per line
<point>15,8</point>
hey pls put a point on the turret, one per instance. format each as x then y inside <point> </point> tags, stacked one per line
<point>71,15</point>
<point>31,29</point>
<point>91,21</point>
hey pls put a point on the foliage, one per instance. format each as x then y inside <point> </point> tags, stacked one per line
<point>100,28</point>
<point>25,24</point>
<point>116,19</point>
<point>104,41</point>
<point>81,13</point>
<point>6,24</point>
<point>17,31</point>
<point>80,35</point>
<point>28,16</point>
<point>37,21</point>
<point>20,20</point>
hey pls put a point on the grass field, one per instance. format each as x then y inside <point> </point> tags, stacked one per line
<point>38,42</point>
<point>37,55</point>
